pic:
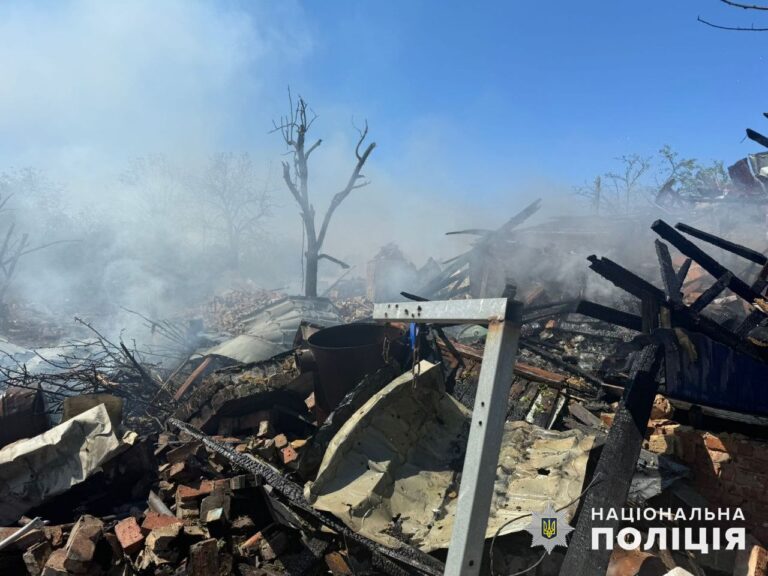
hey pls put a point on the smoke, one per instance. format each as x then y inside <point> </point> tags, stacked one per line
<point>121,109</point>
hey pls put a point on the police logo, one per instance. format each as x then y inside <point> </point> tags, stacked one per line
<point>549,528</point>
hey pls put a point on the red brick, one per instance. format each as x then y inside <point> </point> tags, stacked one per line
<point>186,493</point>
<point>129,534</point>
<point>337,564</point>
<point>288,455</point>
<point>714,443</point>
<point>154,520</point>
<point>252,543</point>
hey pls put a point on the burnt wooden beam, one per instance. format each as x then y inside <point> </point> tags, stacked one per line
<point>624,279</point>
<point>683,272</point>
<point>680,315</point>
<point>738,249</point>
<point>610,315</point>
<point>736,284</point>
<point>650,309</point>
<point>689,320</point>
<point>614,471</point>
<point>535,313</point>
<point>711,293</point>
<point>757,137</point>
<point>668,275</point>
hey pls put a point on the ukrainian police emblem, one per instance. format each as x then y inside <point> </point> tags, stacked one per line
<point>549,528</point>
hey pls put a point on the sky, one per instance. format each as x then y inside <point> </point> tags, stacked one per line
<point>513,90</point>
<point>483,104</point>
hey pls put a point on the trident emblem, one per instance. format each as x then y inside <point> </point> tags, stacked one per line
<point>549,528</point>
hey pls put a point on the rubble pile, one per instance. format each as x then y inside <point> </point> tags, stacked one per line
<point>225,312</point>
<point>294,435</point>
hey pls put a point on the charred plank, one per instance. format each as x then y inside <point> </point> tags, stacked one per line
<point>733,247</point>
<point>736,284</point>
<point>711,293</point>
<point>668,275</point>
<point>610,315</point>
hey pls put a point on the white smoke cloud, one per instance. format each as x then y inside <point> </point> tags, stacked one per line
<point>87,84</point>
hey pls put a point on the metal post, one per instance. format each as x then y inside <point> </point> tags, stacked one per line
<point>503,317</point>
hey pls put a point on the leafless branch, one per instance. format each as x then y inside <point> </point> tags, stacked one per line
<point>734,28</point>
<point>332,259</point>
<point>745,6</point>
<point>313,148</point>
<point>352,183</point>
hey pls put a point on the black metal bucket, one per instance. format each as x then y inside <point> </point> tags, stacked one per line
<point>344,355</point>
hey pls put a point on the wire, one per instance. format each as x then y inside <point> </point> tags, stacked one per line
<point>508,522</point>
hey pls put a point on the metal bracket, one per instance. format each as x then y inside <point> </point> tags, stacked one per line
<point>504,318</point>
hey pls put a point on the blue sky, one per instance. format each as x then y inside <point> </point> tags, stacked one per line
<point>519,90</point>
<point>493,99</point>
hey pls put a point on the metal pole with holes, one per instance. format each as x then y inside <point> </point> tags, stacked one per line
<point>503,317</point>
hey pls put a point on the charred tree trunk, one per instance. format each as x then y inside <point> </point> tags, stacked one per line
<point>294,129</point>
<point>310,272</point>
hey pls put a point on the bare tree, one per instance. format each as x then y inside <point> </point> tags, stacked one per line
<point>240,200</point>
<point>743,6</point>
<point>32,186</point>
<point>626,183</point>
<point>593,192</point>
<point>224,202</point>
<point>294,129</point>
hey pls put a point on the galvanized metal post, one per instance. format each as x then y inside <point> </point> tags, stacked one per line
<point>504,318</point>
